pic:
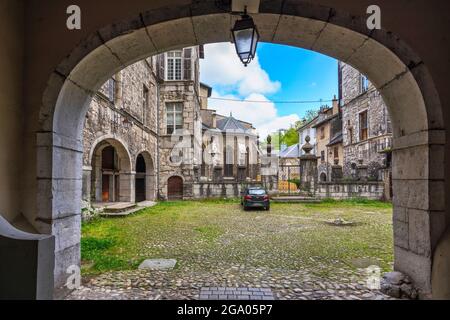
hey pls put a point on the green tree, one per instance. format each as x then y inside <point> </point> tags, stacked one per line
<point>290,138</point>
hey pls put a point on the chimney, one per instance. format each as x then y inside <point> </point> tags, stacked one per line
<point>335,105</point>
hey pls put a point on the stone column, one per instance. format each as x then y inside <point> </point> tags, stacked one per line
<point>308,168</point>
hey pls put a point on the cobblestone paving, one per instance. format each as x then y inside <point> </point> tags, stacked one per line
<point>344,284</point>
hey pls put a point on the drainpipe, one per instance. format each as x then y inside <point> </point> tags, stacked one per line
<point>158,138</point>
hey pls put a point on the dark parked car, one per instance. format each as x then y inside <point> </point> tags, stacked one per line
<point>255,198</point>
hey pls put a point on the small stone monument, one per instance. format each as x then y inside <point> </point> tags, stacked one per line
<point>308,167</point>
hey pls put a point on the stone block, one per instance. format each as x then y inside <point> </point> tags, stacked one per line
<point>419,194</point>
<point>401,234</point>
<point>410,114</point>
<point>64,259</point>
<point>67,232</point>
<point>211,29</point>
<point>419,232</point>
<point>338,42</point>
<point>403,168</point>
<point>370,56</point>
<point>167,36</point>
<point>132,47</point>
<point>96,68</point>
<point>158,264</point>
<point>417,267</point>
<point>296,31</point>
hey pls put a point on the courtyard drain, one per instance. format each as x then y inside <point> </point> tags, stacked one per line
<point>224,293</point>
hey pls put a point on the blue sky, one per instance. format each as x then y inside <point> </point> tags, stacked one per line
<point>304,75</point>
<point>278,73</point>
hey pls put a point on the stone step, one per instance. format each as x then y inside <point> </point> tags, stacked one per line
<point>119,207</point>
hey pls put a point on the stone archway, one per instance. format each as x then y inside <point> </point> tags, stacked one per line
<point>145,178</point>
<point>111,177</point>
<point>398,73</point>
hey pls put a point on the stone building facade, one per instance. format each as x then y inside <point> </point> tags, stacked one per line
<point>367,131</point>
<point>144,136</point>
<point>119,134</point>
<point>329,148</point>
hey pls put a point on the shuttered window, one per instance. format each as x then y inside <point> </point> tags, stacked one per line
<point>187,64</point>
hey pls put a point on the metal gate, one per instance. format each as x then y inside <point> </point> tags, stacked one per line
<point>289,179</point>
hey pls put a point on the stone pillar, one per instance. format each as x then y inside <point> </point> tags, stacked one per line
<point>59,179</point>
<point>127,191</point>
<point>308,168</point>
<point>419,204</point>
<point>87,178</point>
<point>150,187</point>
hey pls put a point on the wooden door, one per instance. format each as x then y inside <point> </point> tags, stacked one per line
<point>175,188</point>
<point>140,189</point>
<point>105,188</point>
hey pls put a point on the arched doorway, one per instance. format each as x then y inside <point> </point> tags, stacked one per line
<point>323,177</point>
<point>175,188</point>
<point>398,73</point>
<point>145,182</point>
<point>111,177</point>
<point>141,171</point>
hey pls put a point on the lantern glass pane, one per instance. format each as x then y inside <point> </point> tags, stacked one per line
<point>255,42</point>
<point>243,40</point>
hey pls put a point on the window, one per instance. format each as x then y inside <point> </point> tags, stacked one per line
<point>336,153</point>
<point>174,115</point>
<point>144,103</point>
<point>322,133</point>
<point>322,156</point>
<point>350,135</point>
<point>364,83</point>
<point>174,66</point>
<point>229,161</point>
<point>363,126</point>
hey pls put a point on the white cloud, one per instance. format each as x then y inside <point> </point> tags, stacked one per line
<point>222,68</point>
<point>263,116</point>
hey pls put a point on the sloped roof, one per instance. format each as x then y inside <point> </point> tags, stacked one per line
<point>339,138</point>
<point>230,123</point>
<point>290,152</point>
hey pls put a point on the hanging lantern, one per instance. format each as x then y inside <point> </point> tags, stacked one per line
<point>246,37</point>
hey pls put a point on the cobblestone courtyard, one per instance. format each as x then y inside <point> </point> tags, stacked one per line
<point>292,252</point>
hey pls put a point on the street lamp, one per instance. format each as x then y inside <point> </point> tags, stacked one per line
<point>246,37</point>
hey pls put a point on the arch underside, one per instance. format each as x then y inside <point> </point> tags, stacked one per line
<point>400,76</point>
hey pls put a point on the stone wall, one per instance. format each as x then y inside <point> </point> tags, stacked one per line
<point>220,190</point>
<point>351,190</point>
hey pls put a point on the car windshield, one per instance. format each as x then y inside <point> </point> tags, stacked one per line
<point>256,192</point>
